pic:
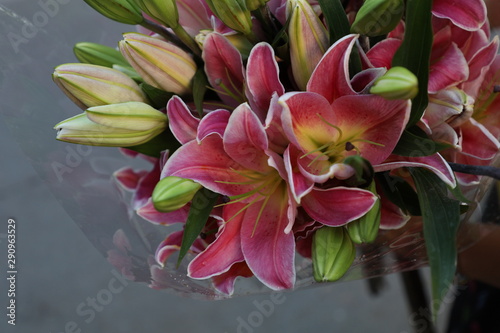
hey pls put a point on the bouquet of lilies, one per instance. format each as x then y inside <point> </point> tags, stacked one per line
<point>278,127</point>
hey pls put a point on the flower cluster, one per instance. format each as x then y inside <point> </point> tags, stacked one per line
<point>275,129</point>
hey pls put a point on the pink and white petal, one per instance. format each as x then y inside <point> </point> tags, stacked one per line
<point>372,118</point>
<point>225,282</point>
<point>214,122</point>
<point>224,69</point>
<point>449,70</point>
<point>304,247</point>
<point>146,186</point>
<point>245,139</point>
<point>339,205</point>
<point>381,54</point>
<point>208,164</point>
<point>181,121</point>
<point>128,178</point>
<point>391,216</point>
<point>477,141</point>
<point>299,184</point>
<point>483,59</point>
<point>331,76</point>
<point>220,255</point>
<point>149,213</point>
<point>194,15</point>
<point>435,163</point>
<point>467,14</point>
<point>303,120</point>
<point>275,133</point>
<point>262,78</point>
<point>168,246</point>
<point>268,250</point>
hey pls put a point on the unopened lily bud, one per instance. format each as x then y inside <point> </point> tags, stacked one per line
<point>333,253</point>
<point>118,125</point>
<point>233,13</point>
<point>172,193</point>
<point>255,4</point>
<point>164,11</point>
<point>397,83</point>
<point>123,11</point>
<point>134,116</point>
<point>365,229</point>
<point>90,85</point>
<point>97,54</point>
<point>161,64</point>
<point>308,41</point>
<point>378,17</point>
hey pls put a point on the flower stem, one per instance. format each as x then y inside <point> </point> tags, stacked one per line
<point>480,170</point>
<point>182,34</point>
<point>162,31</point>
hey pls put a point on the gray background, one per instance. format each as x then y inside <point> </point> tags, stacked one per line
<point>59,269</point>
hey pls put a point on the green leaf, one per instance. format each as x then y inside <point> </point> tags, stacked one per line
<point>338,27</point>
<point>154,147</point>
<point>200,84</point>
<point>415,143</point>
<point>201,206</point>
<point>441,217</point>
<point>336,19</point>
<point>415,51</point>
<point>399,192</point>
<point>158,97</point>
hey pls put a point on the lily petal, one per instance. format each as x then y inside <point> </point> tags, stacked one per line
<point>213,123</point>
<point>224,69</point>
<point>262,78</point>
<point>220,255</point>
<point>331,76</point>
<point>245,139</point>
<point>467,14</point>
<point>182,123</point>
<point>435,163</point>
<point>339,205</point>
<point>268,250</point>
<point>149,213</point>
<point>225,281</point>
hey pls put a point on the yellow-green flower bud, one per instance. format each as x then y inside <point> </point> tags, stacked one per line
<point>233,13</point>
<point>397,83</point>
<point>161,64</point>
<point>90,85</point>
<point>378,17</point>
<point>172,193</point>
<point>308,40</point>
<point>255,4</point>
<point>164,11</point>
<point>123,11</point>
<point>333,253</point>
<point>97,54</point>
<point>365,229</point>
<point>134,116</point>
<point>118,125</point>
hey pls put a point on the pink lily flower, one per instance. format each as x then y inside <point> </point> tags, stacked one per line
<point>240,166</point>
